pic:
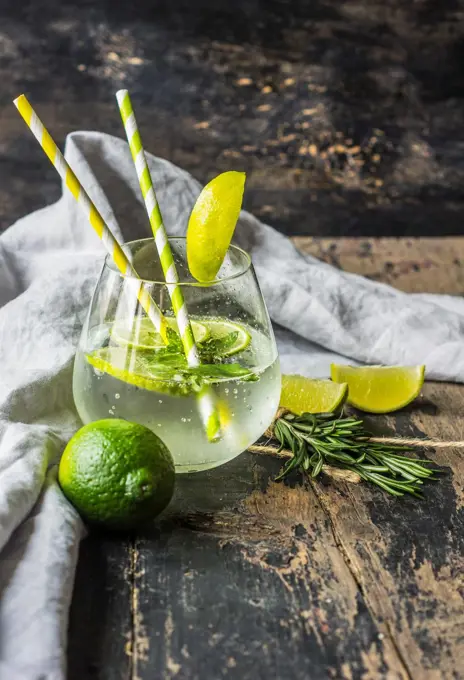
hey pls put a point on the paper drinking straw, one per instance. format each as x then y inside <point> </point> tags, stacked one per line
<point>206,397</point>
<point>96,220</point>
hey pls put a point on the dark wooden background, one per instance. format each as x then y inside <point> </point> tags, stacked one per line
<point>347,115</point>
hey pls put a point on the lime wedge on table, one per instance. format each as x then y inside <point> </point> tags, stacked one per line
<point>144,335</point>
<point>212,223</point>
<point>380,389</point>
<point>134,368</point>
<point>304,395</point>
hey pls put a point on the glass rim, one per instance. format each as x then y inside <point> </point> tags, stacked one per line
<point>110,264</point>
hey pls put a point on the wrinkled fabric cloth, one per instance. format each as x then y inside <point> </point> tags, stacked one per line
<point>49,263</point>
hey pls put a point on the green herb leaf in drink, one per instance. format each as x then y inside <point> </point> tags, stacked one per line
<point>214,349</point>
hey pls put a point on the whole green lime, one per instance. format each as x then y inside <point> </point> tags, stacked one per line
<point>117,474</point>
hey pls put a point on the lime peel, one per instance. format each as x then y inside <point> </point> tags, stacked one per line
<point>380,389</point>
<point>212,223</point>
<point>117,474</point>
<point>305,395</point>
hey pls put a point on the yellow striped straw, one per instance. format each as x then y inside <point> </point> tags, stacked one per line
<point>207,406</point>
<point>96,220</point>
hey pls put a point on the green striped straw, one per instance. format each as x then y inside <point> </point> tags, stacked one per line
<point>206,397</point>
<point>105,234</point>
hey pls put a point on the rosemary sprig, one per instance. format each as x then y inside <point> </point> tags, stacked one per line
<point>331,439</point>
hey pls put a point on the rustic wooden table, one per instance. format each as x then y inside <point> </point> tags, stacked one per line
<point>246,578</point>
<point>348,118</point>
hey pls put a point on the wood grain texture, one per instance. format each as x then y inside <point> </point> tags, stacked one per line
<point>414,265</point>
<point>252,585</point>
<point>346,116</point>
<point>100,623</point>
<point>327,580</point>
<point>407,558</point>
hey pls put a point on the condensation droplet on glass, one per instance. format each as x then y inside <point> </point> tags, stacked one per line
<point>235,390</point>
<point>226,390</point>
<point>160,401</point>
<point>117,395</point>
<point>183,420</point>
<point>159,425</point>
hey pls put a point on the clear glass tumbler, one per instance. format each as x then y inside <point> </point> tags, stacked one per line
<point>123,369</point>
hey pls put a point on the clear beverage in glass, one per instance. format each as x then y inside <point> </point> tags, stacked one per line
<point>123,370</point>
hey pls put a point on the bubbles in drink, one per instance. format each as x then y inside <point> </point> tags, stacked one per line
<point>248,406</point>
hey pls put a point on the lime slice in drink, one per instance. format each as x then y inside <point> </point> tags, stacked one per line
<point>229,337</point>
<point>380,389</point>
<point>144,336</point>
<point>136,368</point>
<point>212,223</point>
<point>223,337</point>
<point>304,395</point>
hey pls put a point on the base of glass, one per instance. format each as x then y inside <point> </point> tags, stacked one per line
<point>191,468</point>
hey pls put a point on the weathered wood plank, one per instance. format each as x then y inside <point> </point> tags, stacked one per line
<point>414,265</point>
<point>373,592</point>
<point>244,579</point>
<point>340,134</point>
<point>407,556</point>
<point>100,638</point>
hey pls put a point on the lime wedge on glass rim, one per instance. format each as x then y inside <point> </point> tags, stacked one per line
<point>305,395</point>
<point>212,223</point>
<point>380,389</point>
<point>144,336</point>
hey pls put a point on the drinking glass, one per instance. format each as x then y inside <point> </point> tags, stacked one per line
<point>123,369</point>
